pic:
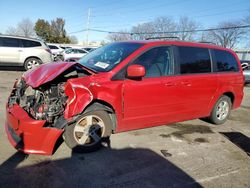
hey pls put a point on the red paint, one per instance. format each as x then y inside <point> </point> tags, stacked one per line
<point>137,103</point>
<point>136,71</point>
<point>37,139</point>
<point>79,96</point>
<point>45,73</point>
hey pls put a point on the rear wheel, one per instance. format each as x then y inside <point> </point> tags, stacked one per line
<point>31,63</point>
<point>87,134</point>
<point>221,110</point>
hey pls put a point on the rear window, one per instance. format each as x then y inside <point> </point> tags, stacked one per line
<point>53,47</point>
<point>194,60</point>
<point>225,61</point>
<point>81,51</point>
<point>9,42</point>
<point>30,43</point>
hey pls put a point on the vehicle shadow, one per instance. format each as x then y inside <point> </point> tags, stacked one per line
<point>106,168</point>
<point>239,139</point>
<point>12,68</point>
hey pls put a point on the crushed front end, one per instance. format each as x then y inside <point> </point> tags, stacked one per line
<point>31,117</point>
<point>35,115</point>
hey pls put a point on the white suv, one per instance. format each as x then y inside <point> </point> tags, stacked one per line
<point>21,51</point>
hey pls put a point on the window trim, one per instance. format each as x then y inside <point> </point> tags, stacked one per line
<point>121,74</point>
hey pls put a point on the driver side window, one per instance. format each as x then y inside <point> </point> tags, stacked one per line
<point>156,61</point>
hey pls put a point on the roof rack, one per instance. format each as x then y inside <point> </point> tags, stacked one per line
<point>207,42</point>
<point>152,38</point>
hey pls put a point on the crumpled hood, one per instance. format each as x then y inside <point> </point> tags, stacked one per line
<point>46,72</point>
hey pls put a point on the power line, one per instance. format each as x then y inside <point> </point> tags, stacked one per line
<point>222,13</point>
<point>165,32</point>
<point>79,31</point>
<point>170,32</point>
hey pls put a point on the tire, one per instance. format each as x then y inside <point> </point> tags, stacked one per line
<point>221,110</point>
<point>87,134</point>
<point>31,63</point>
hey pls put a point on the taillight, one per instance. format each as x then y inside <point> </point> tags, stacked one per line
<point>48,50</point>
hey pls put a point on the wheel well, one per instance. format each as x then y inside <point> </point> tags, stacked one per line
<point>102,105</point>
<point>230,95</point>
<point>31,57</point>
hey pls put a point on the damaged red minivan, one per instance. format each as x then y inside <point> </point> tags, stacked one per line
<point>120,87</point>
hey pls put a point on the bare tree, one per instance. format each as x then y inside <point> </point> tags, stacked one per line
<point>24,28</point>
<point>246,20</point>
<point>227,37</point>
<point>12,31</point>
<point>157,28</point>
<point>122,35</point>
<point>58,32</point>
<point>143,31</point>
<point>73,39</point>
<point>187,24</point>
<point>164,25</point>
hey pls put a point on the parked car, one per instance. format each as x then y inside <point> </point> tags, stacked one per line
<point>55,49</point>
<point>120,87</point>
<point>244,63</point>
<point>246,70</point>
<point>65,47</point>
<point>74,53</point>
<point>21,51</point>
<point>90,49</point>
<point>246,74</point>
<point>56,52</point>
<point>75,59</point>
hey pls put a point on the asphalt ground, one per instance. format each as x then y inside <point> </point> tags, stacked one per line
<point>187,154</point>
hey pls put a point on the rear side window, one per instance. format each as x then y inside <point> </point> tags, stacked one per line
<point>194,60</point>
<point>225,61</point>
<point>30,43</point>
<point>10,42</point>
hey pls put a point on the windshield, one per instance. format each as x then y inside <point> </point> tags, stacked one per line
<point>107,57</point>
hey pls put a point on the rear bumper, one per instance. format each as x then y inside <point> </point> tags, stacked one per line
<point>48,58</point>
<point>29,135</point>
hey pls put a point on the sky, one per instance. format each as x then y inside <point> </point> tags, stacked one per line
<point>115,15</point>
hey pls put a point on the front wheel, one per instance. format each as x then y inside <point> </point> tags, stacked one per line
<point>31,63</point>
<point>87,134</point>
<point>221,110</point>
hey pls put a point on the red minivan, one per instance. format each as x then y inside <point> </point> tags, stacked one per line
<point>120,87</point>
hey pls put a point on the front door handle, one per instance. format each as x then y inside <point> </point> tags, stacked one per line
<point>185,83</point>
<point>169,84</point>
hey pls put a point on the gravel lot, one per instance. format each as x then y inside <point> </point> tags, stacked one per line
<point>188,154</point>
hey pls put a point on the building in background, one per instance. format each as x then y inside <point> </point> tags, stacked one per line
<point>244,54</point>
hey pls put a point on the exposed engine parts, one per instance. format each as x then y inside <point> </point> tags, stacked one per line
<point>48,101</point>
<point>44,103</point>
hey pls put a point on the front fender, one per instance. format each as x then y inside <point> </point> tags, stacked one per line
<point>79,96</point>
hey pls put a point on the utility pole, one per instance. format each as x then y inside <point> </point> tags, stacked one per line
<point>87,28</point>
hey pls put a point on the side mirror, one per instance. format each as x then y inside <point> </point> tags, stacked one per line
<point>136,71</point>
